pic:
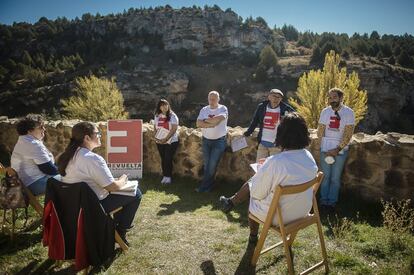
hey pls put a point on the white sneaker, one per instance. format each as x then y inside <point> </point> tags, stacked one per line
<point>163,180</point>
<point>167,180</point>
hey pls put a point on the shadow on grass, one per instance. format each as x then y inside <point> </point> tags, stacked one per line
<point>189,200</point>
<point>21,241</point>
<point>351,204</point>
<point>208,268</point>
<point>43,268</point>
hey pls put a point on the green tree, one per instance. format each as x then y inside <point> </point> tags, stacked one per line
<point>313,89</point>
<point>267,60</point>
<point>290,32</point>
<point>405,60</point>
<point>95,99</point>
<point>268,57</point>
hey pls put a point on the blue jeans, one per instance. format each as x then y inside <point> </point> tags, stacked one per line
<point>332,178</point>
<point>39,187</point>
<point>123,218</point>
<point>213,149</point>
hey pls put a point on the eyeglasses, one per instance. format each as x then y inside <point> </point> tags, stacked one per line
<point>98,134</point>
<point>338,117</point>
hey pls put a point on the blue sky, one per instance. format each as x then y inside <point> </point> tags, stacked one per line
<point>340,16</point>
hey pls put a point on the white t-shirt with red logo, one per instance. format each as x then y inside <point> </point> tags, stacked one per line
<point>334,126</point>
<point>161,122</point>
<point>219,130</point>
<point>270,122</point>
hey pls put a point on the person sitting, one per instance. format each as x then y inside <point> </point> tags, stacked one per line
<point>294,165</point>
<point>31,159</point>
<point>79,164</point>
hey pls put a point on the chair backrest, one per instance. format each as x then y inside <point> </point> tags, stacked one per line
<point>288,190</point>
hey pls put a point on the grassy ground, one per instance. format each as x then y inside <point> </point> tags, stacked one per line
<point>178,231</point>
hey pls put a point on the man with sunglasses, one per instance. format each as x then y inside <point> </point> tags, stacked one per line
<point>335,129</point>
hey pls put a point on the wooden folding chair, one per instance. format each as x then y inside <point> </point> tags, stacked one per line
<point>118,238</point>
<point>288,231</point>
<point>33,201</point>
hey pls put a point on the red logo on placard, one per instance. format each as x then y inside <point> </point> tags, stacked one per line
<point>334,122</point>
<point>163,122</point>
<point>128,137</point>
<point>270,120</point>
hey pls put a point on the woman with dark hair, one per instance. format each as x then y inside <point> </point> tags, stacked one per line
<point>79,164</point>
<point>294,165</point>
<point>167,119</point>
<point>30,158</point>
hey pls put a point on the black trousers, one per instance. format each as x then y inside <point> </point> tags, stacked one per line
<point>167,152</point>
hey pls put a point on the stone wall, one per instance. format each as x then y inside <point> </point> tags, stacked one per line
<point>378,166</point>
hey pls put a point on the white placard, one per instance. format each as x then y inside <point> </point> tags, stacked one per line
<point>238,143</point>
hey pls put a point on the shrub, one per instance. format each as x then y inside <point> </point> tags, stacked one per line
<point>398,217</point>
<point>313,89</point>
<point>95,100</point>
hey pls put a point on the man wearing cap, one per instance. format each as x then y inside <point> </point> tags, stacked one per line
<point>335,129</point>
<point>267,116</point>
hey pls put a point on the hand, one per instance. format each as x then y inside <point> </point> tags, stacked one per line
<point>163,141</point>
<point>124,178</point>
<point>333,152</point>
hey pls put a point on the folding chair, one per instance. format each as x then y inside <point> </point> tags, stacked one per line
<point>66,200</point>
<point>288,231</point>
<point>33,201</point>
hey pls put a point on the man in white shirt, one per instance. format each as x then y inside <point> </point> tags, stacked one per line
<point>335,129</point>
<point>213,123</point>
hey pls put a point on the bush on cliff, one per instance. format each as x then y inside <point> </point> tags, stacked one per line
<point>313,89</point>
<point>95,99</point>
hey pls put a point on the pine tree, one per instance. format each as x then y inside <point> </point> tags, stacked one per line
<point>313,89</point>
<point>95,100</point>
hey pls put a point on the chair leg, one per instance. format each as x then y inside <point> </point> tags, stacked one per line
<point>121,242</point>
<point>34,203</point>
<point>289,259</point>
<point>3,224</point>
<point>323,248</point>
<point>13,224</point>
<point>259,246</point>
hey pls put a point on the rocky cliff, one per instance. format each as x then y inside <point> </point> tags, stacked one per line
<point>379,166</point>
<point>182,55</point>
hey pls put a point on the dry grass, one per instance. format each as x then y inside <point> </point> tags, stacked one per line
<point>178,231</point>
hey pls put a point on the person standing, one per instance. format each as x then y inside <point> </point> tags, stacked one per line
<point>167,119</point>
<point>335,129</point>
<point>267,116</point>
<point>213,123</point>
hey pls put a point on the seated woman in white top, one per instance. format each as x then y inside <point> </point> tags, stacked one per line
<point>32,161</point>
<point>79,164</point>
<point>295,165</point>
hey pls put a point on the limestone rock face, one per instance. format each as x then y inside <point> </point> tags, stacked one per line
<point>378,166</point>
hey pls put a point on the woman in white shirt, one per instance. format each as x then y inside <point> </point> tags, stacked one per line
<point>166,119</point>
<point>294,165</point>
<point>79,164</point>
<point>31,159</point>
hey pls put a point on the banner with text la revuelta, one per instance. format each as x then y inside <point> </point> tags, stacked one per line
<point>124,147</point>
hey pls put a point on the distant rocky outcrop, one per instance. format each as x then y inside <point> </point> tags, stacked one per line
<point>378,166</point>
<point>182,54</point>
